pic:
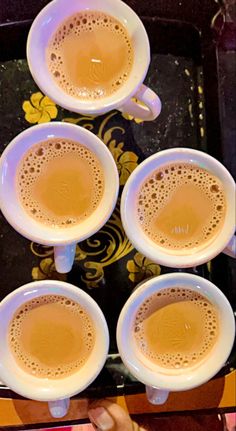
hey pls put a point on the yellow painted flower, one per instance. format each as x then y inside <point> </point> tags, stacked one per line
<point>40,109</point>
<point>140,268</point>
<point>116,149</point>
<point>47,270</point>
<point>130,117</point>
<point>126,161</point>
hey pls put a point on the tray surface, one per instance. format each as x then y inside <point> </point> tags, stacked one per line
<point>106,265</point>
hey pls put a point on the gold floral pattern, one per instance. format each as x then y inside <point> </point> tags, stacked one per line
<point>84,121</point>
<point>126,161</point>
<point>40,250</point>
<point>39,109</point>
<point>130,117</point>
<point>140,268</point>
<point>107,247</point>
<point>110,244</point>
<point>47,270</point>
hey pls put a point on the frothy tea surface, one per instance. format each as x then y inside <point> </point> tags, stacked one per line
<point>90,55</point>
<point>60,182</point>
<point>181,206</point>
<point>176,327</point>
<point>51,336</point>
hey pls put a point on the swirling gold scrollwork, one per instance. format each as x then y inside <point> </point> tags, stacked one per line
<point>41,250</point>
<point>126,161</point>
<point>47,270</point>
<point>109,245</point>
<point>106,135</point>
<point>84,121</point>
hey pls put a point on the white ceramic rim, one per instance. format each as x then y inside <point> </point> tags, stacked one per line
<point>44,26</point>
<point>51,389</point>
<point>179,380</point>
<point>148,247</point>
<point>9,201</point>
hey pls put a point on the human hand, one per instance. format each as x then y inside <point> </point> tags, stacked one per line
<point>108,416</point>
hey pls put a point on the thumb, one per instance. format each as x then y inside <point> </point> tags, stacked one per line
<point>108,416</point>
<point>100,417</point>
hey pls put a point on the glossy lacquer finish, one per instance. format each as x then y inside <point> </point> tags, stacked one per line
<point>184,72</point>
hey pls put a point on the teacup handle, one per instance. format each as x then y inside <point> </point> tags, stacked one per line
<point>59,408</point>
<point>149,108</point>
<point>156,396</point>
<point>64,257</point>
<point>230,249</point>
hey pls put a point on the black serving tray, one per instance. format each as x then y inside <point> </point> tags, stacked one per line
<point>185,72</point>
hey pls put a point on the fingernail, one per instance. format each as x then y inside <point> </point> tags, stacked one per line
<point>101,418</point>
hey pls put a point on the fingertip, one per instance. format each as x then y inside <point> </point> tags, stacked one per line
<point>100,417</point>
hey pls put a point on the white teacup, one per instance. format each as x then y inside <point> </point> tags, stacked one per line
<point>63,239</point>
<point>160,381</point>
<point>223,241</point>
<point>55,391</point>
<point>44,26</point>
